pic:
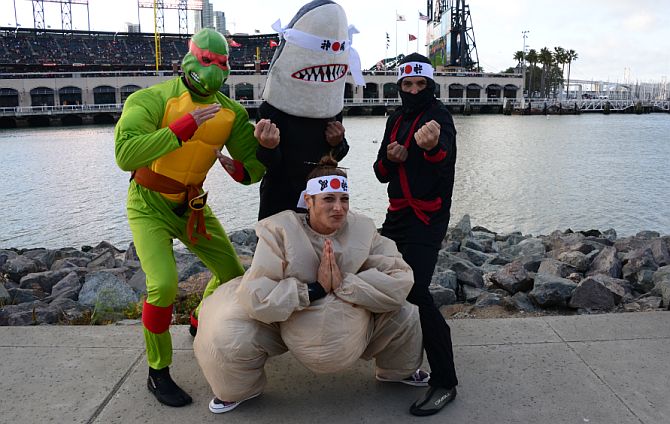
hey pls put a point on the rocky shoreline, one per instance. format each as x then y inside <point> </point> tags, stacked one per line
<point>477,271</point>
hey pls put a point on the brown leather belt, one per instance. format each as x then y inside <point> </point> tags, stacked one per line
<point>195,200</point>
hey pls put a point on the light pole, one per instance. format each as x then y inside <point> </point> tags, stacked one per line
<point>523,69</point>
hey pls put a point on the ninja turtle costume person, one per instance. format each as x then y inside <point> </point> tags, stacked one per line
<point>304,98</point>
<point>169,136</point>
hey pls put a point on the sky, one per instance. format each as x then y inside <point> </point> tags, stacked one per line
<point>615,40</point>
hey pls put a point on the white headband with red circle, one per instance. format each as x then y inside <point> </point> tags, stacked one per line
<point>321,44</point>
<point>327,184</point>
<point>415,69</point>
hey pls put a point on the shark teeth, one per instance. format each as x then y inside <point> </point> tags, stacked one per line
<point>322,73</point>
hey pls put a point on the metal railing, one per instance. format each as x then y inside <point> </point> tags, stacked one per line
<point>584,105</point>
<point>59,110</point>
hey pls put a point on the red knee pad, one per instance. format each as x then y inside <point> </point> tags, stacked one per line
<point>155,318</point>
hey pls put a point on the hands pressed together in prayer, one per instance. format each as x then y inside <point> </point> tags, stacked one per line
<point>426,138</point>
<point>329,275</point>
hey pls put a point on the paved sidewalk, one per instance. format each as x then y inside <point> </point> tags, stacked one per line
<point>610,369</point>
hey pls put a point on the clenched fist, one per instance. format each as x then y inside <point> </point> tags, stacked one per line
<point>427,135</point>
<point>334,133</point>
<point>267,134</point>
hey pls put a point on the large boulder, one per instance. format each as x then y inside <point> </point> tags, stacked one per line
<point>554,267</point>
<point>442,296</point>
<point>44,281</point>
<point>106,291</point>
<point>462,229</point>
<point>68,288</point>
<point>527,247</point>
<point>519,302</point>
<point>513,278</point>
<point>659,251</point>
<point>551,291</point>
<point>30,313</point>
<point>445,278</point>
<point>639,269</point>
<point>576,259</point>
<point>43,257</point>
<point>599,292</point>
<point>19,266</point>
<point>607,262</point>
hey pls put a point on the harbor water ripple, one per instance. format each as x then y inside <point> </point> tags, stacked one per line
<point>535,174</point>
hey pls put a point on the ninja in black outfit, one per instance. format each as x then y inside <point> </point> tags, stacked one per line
<point>417,159</point>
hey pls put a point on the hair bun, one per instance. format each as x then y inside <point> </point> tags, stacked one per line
<point>328,161</point>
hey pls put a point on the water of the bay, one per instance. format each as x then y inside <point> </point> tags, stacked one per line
<point>535,174</point>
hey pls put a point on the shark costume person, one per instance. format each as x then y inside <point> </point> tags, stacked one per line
<point>304,98</point>
<point>417,159</point>
<point>169,136</point>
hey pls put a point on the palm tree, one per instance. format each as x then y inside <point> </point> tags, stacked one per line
<point>546,58</point>
<point>560,56</point>
<point>570,56</point>
<point>518,56</point>
<point>531,58</point>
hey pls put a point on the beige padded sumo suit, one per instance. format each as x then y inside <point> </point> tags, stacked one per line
<point>267,311</point>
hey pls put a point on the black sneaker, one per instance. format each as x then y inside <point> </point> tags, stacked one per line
<point>432,401</point>
<point>165,389</point>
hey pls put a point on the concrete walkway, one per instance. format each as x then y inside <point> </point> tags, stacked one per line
<point>610,369</point>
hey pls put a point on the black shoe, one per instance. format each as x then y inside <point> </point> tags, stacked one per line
<point>432,401</point>
<point>165,389</point>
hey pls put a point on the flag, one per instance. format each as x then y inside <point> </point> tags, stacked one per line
<point>423,17</point>
<point>411,37</point>
<point>388,40</point>
<point>273,44</point>
<point>233,43</point>
<point>400,17</point>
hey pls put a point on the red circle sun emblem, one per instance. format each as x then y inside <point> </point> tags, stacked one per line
<point>336,46</point>
<point>408,69</point>
<point>335,183</point>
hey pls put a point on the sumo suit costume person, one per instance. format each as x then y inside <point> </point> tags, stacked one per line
<point>169,136</point>
<point>304,98</point>
<point>324,285</point>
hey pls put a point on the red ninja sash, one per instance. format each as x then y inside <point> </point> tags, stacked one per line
<point>420,207</point>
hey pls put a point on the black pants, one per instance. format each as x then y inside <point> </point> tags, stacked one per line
<point>436,331</point>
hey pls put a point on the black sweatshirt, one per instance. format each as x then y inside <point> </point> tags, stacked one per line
<point>301,140</point>
<point>430,175</point>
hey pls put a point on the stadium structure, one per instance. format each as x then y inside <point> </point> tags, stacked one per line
<point>26,50</point>
<point>52,77</point>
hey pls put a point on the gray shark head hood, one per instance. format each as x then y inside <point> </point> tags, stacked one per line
<point>308,71</point>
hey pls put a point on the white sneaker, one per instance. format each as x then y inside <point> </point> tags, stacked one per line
<point>419,379</point>
<point>218,406</point>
